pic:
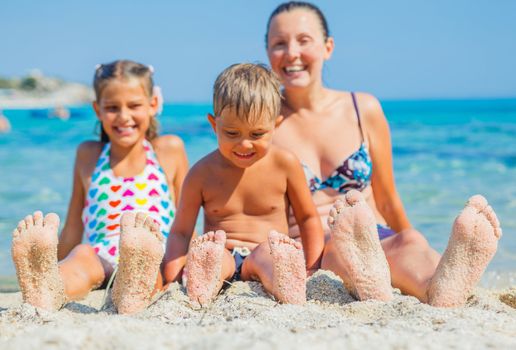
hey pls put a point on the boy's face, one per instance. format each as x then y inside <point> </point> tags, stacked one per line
<point>240,142</point>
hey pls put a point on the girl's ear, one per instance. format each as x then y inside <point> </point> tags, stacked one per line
<point>154,105</point>
<point>96,108</point>
<point>329,46</point>
<point>211,119</point>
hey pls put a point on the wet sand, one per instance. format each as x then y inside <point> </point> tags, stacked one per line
<point>244,317</point>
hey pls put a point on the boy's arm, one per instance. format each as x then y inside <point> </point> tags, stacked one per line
<point>184,223</point>
<point>310,227</point>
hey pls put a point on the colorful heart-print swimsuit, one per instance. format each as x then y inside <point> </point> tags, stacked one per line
<point>109,196</point>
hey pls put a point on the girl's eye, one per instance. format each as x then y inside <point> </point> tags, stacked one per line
<point>136,106</point>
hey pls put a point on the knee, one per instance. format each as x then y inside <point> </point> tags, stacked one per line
<point>83,250</point>
<point>410,238</point>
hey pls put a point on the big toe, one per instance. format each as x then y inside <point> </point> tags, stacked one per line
<point>274,237</point>
<point>477,201</point>
<point>220,237</point>
<point>353,197</point>
<point>127,220</point>
<point>51,220</point>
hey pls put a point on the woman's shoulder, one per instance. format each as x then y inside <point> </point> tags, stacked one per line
<point>369,106</point>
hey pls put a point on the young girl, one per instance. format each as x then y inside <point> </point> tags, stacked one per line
<point>125,192</point>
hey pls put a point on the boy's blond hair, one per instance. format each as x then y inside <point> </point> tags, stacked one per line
<point>251,90</point>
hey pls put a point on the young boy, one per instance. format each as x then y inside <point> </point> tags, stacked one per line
<point>246,188</point>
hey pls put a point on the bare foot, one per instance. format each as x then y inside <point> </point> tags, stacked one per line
<point>354,232</point>
<point>471,247</point>
<point>141,251</point>
<point>34,251</point>
<point>289,270</point>
<point>204,266</point>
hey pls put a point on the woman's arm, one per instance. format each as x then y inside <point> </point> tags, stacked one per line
<point>308,220</point>
<point>388,201</point>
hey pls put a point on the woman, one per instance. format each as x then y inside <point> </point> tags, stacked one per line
<point>343,141</point>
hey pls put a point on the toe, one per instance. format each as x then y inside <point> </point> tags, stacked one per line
<point>51,220</point>
<point>339,205</point>
<point>274,237</point>
<point>29,221</point>
<point>477,201</point>
<point>220,237</point>
<point>38,218</point>
<point>139,219</point>
<point>127,219</point>
<point>21,226</point>
<point>353,197</point>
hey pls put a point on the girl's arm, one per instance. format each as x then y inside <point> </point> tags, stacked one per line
<point>388,201</point>
<point>72,232</point>
<point>308,220</point>
<point>182,228</point>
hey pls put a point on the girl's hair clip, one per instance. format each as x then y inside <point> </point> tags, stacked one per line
<point>151,68</point>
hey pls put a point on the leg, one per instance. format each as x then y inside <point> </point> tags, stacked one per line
<point>412,262</point>
<point>141,252</point>
<point>208,265</point>
<point>280,267</point>
<point>81,271</point>
<point>354,251</point>
<point>471,247</point>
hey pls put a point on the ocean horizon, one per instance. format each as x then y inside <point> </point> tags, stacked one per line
<point>445,150</point>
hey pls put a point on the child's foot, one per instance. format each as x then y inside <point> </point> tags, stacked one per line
<point>204,266</point>
<point>354,232</point>
<point>289,270</point>
<point>141,251</point>
<point>472,244</point>
<point>34,251</point>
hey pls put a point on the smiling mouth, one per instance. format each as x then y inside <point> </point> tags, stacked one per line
<point>244,155</point>
<point>124,130</point>
<point>294,69</point>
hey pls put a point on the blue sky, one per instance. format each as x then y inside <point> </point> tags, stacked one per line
<point>393,49</point>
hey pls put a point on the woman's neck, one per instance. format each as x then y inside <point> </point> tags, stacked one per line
<point>310,98</point>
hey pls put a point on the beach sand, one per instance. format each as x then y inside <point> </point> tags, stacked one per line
<point>244,317</point>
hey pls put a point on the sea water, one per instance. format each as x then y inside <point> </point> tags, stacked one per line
<point>444,152</point>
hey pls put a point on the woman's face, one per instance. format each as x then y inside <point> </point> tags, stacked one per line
<point>297,49</point>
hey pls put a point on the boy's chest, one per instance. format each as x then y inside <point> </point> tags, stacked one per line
<point>259,195</point>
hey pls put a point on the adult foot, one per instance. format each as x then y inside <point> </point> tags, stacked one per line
<point>471,247</point>
<point>289,270</point>
<point>141,252</point>
<point>354,233</point>
<point>34,251</point>
<point>204,267</point>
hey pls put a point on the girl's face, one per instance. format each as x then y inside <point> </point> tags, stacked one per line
<point>125,111</point>
<point>297,49</point>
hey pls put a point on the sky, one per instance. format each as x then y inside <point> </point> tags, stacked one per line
<point>396,49</point>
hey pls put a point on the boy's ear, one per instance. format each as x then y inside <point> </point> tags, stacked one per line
<point>211,119</point>
<point>96,108</point>
<point>278,121</point>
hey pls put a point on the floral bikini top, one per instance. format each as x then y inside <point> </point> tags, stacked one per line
<point>353,173</point>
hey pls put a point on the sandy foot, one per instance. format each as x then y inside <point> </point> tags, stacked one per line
<point>471,247</point>
<point>289,270</point>
<point>354,232</point>
<point>34,251</point>
<point>204,266</point>
<point>141,252</point>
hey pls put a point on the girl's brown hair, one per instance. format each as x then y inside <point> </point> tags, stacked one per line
<point>125,69</point>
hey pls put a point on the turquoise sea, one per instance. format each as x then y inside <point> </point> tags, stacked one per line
<point>444,152</point>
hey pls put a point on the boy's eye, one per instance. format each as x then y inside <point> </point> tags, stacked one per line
<point>111,108</point>
<point>257,135</point>
<point>231,133</point>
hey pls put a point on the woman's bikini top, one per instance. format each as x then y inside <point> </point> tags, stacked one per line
<point>353,173</point>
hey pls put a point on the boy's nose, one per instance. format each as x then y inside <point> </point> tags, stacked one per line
<point>246,144</point>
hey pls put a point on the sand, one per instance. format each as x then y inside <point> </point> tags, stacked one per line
<point>244,317</point>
